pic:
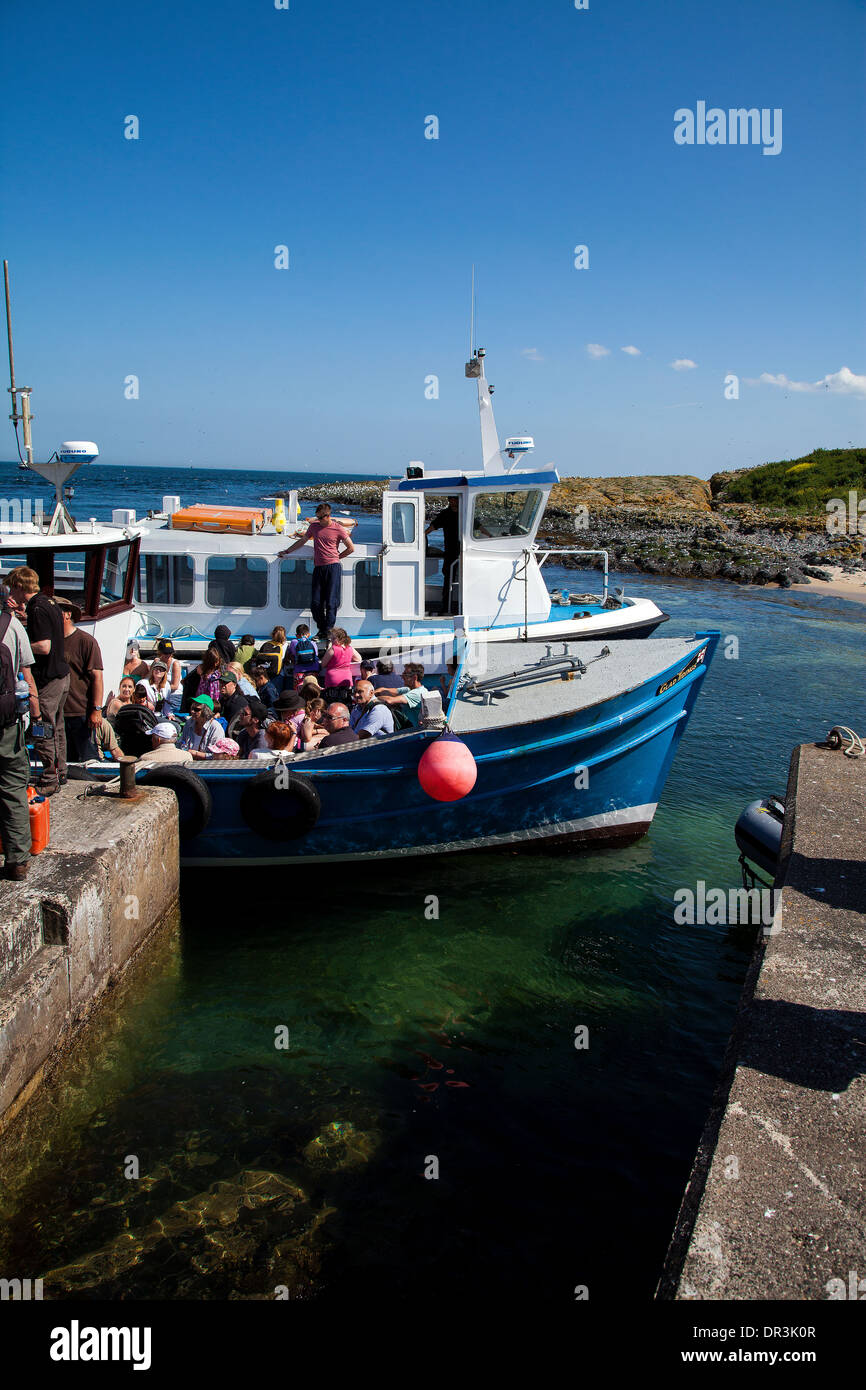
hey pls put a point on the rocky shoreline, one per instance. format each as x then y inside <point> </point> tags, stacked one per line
<point>679,526</point>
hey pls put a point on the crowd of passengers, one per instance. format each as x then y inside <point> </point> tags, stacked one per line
<point>277,700</point>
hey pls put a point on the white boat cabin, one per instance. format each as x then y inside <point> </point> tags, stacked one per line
<point>201,578</point>
<point>94,567</point>
<point>494,583</point>
<point>203,566</point>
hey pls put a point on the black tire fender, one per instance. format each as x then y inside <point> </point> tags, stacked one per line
<point>194,800</point>
<point>280,805</point>
<point>133,724</point>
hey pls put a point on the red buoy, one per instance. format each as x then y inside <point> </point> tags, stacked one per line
<point>447,769</point>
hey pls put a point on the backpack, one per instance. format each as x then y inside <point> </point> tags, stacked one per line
<point>401,719</point>
<point>269,655</point>
<point>8,677</point>
<point>306,652</point>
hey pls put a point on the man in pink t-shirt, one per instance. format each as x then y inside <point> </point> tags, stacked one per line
<point>327,537</point>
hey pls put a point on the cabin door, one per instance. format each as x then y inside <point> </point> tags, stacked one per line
<point>402,555</point>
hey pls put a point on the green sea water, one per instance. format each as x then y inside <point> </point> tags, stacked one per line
<point>428,1123</point>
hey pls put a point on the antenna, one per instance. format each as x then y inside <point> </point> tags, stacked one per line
<point>14,416</point>
<point>471,317</point>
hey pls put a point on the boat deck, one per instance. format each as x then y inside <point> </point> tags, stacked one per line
<point>542,693</point>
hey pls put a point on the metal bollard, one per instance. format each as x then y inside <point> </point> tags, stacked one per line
<point>127,778</point>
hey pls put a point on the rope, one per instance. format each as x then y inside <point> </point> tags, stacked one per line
<point>21,458</point>
<point>189,631</point>
<point>149,623</point>
<point>94,789</point>
<point>751,877</point>
<point>854,743</point>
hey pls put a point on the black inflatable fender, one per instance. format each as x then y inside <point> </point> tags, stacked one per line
<point>194,800</point>
<point>284,812</point>
<point>134,723</point>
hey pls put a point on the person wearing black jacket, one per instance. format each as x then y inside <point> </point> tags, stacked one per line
<point>189,687</point>
<point>232,701</point>
<point>223,643</point>
<point>448,522</point>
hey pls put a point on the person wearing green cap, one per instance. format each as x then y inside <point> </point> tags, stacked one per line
<point>201,730</point>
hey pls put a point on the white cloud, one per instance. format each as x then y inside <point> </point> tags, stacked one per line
<point>532,353</point>
<point>596,350</point>
<point>841,383</point>
<point>683,364</point>
<point>631,350</point>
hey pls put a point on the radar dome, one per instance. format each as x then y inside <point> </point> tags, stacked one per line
<point>77,451</point>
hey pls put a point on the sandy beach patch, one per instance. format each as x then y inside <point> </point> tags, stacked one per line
<point>851,586</point>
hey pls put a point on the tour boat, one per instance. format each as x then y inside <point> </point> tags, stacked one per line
<point>530,748</point>
<point>202,566</point>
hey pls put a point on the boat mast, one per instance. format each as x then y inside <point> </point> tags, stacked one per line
<point>57,471</point>
<point>22,391</point>
<point>490,449</point>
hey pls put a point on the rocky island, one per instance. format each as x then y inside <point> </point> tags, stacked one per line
<point>773,524</point>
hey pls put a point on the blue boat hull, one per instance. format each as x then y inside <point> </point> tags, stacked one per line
<point>593,775</point>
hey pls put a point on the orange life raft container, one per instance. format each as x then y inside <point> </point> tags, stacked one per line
<point>245,521</point>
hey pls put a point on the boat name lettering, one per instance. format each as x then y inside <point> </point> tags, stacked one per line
<point>693,665</point>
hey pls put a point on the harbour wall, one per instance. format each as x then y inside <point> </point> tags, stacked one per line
<point>775,1207</point>
<point>108,879</point>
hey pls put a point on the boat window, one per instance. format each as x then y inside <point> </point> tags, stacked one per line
<point>368,585</point>
<point>403,523</point>
<point>10,561</point>
<point>237,581</point>
<point>295,584</point>
<point>510,513</point>
<point>71,574</point>
<point>165,579</point>
<point>114,575</point>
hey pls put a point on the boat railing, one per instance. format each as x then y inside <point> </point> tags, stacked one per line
<point>542,555</point>
<point>535,553</point>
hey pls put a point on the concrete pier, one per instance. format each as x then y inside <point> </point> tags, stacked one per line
<point>107,879</point>
<point>776,1204</point>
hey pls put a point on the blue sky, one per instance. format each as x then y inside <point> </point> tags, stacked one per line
<point>306,127</point>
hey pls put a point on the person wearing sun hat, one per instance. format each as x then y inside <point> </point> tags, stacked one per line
<point>164,749</point>
<point>201,730</point>
<point>309,689</point>
<point>224,748</point>
<point>291,709</point>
